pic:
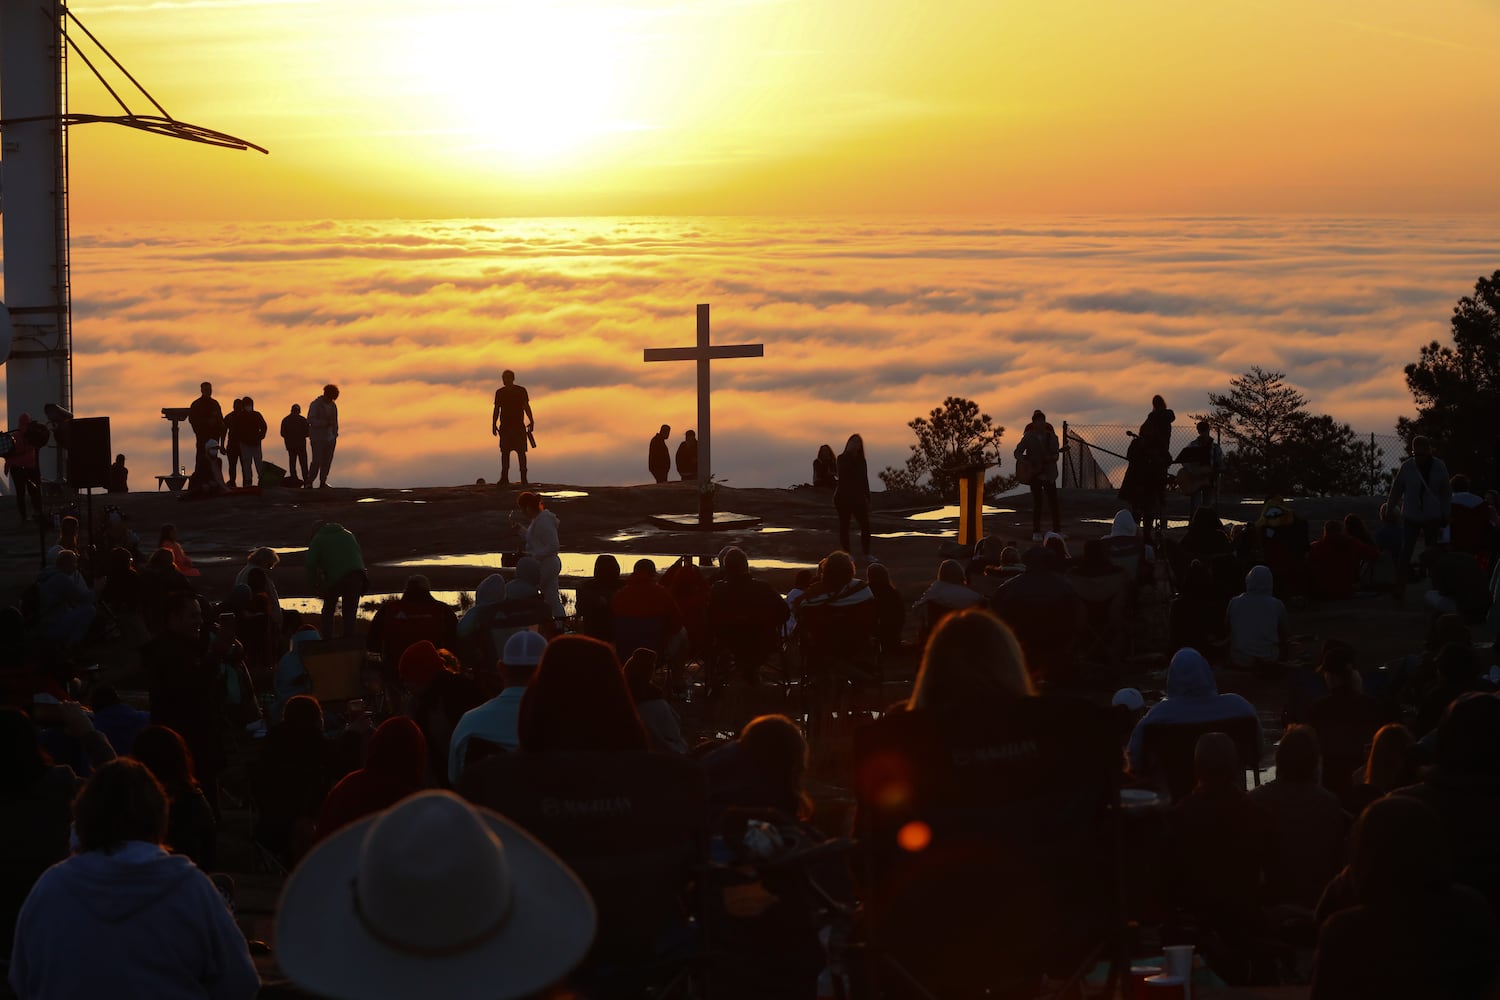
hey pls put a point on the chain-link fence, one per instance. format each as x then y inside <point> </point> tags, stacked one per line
<point>1093,456</point>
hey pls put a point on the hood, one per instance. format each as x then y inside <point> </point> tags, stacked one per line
<point>116,887</point>
<point>302,637</point>
<point>529,570</point>
<point>491,590</point>
<point>1190,676</point>
<point>397,750</point>
<point>1258,580</point>
<point>1123,526</point>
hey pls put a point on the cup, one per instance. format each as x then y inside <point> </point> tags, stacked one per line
<point>1179,961</point>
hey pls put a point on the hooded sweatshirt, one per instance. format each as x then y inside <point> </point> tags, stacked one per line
<point>1257,620</point>
<point>290,676</point>
<point>395,764</point>
<point>332,555</point>
<point>136,922</point>
<point>22,453</point>
<point>1192,696</point>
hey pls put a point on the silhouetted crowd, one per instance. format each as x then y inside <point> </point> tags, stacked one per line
<point>691,781</point>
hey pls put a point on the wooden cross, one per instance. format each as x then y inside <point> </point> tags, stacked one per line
<point>703,354</point>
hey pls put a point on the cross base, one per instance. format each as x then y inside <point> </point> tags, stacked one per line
<point>720,520</point>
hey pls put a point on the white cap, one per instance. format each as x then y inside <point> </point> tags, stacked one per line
<point>1129,698</point>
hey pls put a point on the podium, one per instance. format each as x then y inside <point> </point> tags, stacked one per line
<point>970,503</point>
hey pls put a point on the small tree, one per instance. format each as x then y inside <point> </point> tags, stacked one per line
<point>1259,415</point>
<point>953,434</point>
<point>1457,389</point>
<point>1276,446</point>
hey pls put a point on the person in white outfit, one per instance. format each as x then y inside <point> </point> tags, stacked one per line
<point>539,526</point>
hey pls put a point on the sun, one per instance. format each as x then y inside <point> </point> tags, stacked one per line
<point>529,82</point>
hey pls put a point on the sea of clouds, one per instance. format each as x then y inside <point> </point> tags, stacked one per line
<point>866,324</point>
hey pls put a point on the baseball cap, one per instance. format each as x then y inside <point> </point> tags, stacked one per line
<point>1129,698</point>
<point>523,649</point>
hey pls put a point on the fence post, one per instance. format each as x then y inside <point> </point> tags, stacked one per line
<point>1374,468</point>
<point>1067,458</point>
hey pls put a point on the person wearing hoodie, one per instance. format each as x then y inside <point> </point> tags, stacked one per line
<point>122,917</point>
<point>1044,611</point>
<point>1192,696</point>
<point>290,677</point>
<point>336,571</point>
<point>1039,448</point>
<point>543,545</point>
<point>65,603</point>
<point>395,766</point>
<point>1423,493</point>
<point>948,593</point>
<point>23,468</point>
<point>414,616</point>
<point>1257,623</point>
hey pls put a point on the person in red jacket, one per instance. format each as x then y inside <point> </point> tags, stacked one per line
<point>1334,561</point>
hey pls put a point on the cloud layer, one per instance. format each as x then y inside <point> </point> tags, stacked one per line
<point>867,323</point>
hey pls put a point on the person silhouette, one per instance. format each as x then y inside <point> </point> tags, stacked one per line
<point>687,456</point>
<point>512,404</point>
<point>658,459</point>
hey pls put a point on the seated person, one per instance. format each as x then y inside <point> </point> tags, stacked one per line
<point>837,616</point>
<point>595,595</point>
<point>412,617</point>
<point>289,677</point>
<point>152,919</point>
<point>119,722</point>
<point>437,697</point>
<point>1336,560</point>
<point>890,608</point>
<point>826,469</point>
<point>395,767</point>
<point>1044,611</point>
<point>663,727</point>
<point>1388,767</point>
<point>1345,718</point>
<point>1402,926</point>
<point>296,768</point>
<point>65,604</point>
<point>946,594</point>
<point>1281,542</point>
<point>495,720</point>
<point>1192,697</point>
<point>1104,589</point>
<point>1195,617</point>
<point>1257,623</point>
<point>646,614</point>
<point>192,826</point>
<point>745,615</point>
<point>762,771</point>
<point>1218,844</point>
<point>1309,827</point>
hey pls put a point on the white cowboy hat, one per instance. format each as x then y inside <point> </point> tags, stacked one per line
<point>433,897</point>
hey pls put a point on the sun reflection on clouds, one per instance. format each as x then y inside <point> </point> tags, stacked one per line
<point>867,323</point>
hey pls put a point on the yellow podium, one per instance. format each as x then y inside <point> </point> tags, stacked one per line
<point>970,504</point>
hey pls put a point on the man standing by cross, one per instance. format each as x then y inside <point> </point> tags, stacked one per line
<point>702,353</point>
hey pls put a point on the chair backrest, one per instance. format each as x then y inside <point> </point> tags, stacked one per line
<point>1168,749</point>
<point>334,667</point>
<point>988,834</point>
<point>632,632</point>
<point>1127,552</point>
<point>633,826</point>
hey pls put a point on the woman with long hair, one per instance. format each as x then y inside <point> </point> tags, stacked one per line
<point>851,497</point>
<point>1386,769</point>
<point>539,527</point>
<point>578,701</point>
<point>191,827</point>
<point>971,656</point>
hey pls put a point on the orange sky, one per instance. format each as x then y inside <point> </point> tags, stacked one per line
<point>379,109</point>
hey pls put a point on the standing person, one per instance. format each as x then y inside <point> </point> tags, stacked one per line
<point>1039,448</point>
<point>206,418</point>
<point>1202,464</point>
<point>336,571</point>
<point>658,458</point>
<point>232,440</point>
<point>252,431</point>
<point>323,429</point>
<point>512,421</point>
<point>1150,455</point>
<point>825,469</point>
<point>119,476</point>
<point>294,435</point>
<point>1424,494</point>
<point>687,457</point>
<point>539,527</point>
<point>851,498</point>
<point>21,464</point>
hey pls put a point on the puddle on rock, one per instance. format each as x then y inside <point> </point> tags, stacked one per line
<point>581,563</point>
<point>950,512</point>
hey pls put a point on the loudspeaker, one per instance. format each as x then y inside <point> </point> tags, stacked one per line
<point>89,456</point>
